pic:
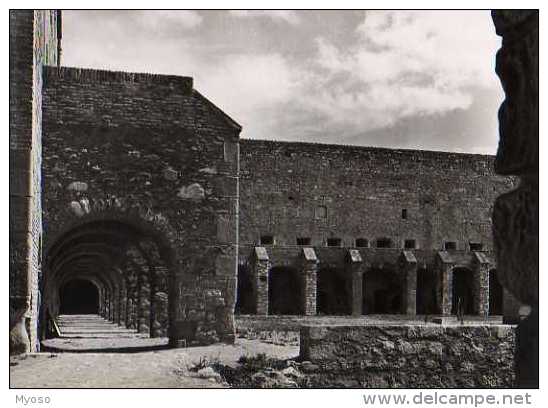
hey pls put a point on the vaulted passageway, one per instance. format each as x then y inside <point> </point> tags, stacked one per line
<point>110,267</point>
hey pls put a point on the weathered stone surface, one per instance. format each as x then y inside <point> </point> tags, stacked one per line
<point>363,191</point>
<point>139,143</point>
<point>409,357</point>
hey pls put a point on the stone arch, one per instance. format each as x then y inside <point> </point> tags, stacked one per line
<point>102,238</point>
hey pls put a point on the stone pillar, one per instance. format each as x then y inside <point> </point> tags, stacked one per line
<point>130,320</point>
<point>481,284</point>
<point>309,276</point>
<point>516,214</point>
<point>122,306</point>
<point>260,271</point>
<point>444,292</point>
<point>408,271</point>
<point>160,324</point>
<point>143,322</point>
<point>355,270</point>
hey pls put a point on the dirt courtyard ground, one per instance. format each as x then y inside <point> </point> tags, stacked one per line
<point>154,369</point>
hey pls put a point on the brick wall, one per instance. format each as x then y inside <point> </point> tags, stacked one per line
<point>154,142</point>
<point>33,42</point>
<point>291,190</point>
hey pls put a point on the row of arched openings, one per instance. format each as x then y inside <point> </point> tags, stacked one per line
<point>381,292</point>
<point>112,267</point>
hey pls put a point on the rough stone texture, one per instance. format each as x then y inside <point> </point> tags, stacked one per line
<point>516,214</point>
<point>123,155</point>
<point>33,42</point>
<point>408,356</point>
<point>317,191</point>
<point>261,266</point>
<point>448,196</point>
<point>309,276</point>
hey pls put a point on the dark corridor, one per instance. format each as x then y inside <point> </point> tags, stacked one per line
<point>79,296</point>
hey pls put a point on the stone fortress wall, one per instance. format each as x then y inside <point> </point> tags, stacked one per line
<point>35,37</point>
<point>373,220</point>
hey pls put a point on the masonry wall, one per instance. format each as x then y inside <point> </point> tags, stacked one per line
<point>33,42</point>
<point>286,187</point>
<point>409,356</point>
<point>153,142</point>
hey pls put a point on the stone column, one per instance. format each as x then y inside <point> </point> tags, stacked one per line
<point>355,269</point>
<point>516,214</point>
<point>159,326</point>
<point>481,284</point>
<point>143,322</point>
<point>309,276</point>
<point>408,271</point>
<point>122,306</point>
<point>260,270</point>
<point>444,292</point>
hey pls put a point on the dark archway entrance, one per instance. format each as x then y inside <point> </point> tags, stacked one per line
<point>79,296</point>
<point>333,294</point>
<point>382,292</point>
<point>118,269</point>
<point>463,291</point>
<point>284,291</point>
<point>426,292</point>
<point>495,294</point>
<point>245,303</point>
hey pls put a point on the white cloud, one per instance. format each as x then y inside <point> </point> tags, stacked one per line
<point>288,16</point>
<point>159,19</point>
<point>405,64</point>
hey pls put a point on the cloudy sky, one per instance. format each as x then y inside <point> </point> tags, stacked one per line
<point>407,79</point>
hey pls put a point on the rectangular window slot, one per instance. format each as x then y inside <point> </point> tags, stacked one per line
<point>404,214</point>
<point>334,242</point>
<point>476,246</point>
<point>302,241</point>
<point>450,246</point>
<point>410,244</point>
<point>267,240</point>
<point>362,243</point>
